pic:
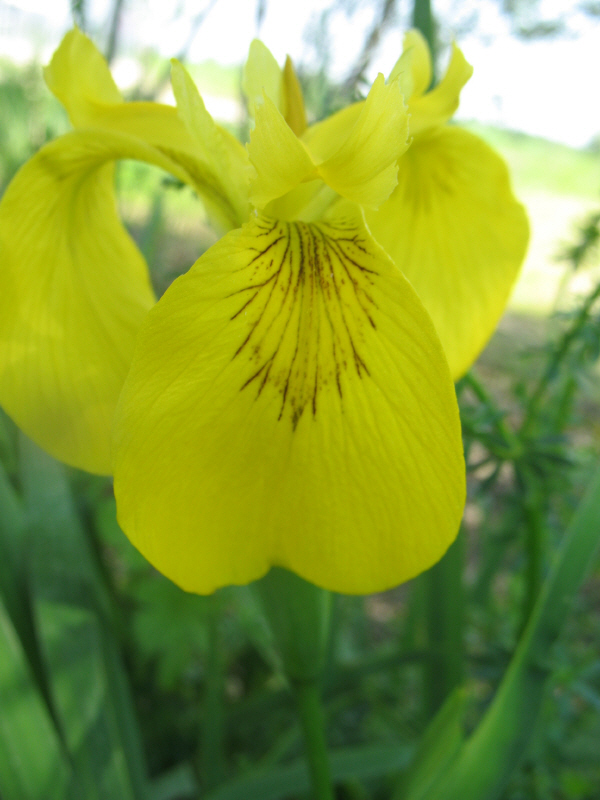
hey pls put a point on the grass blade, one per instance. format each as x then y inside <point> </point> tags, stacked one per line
<point>32,763</point>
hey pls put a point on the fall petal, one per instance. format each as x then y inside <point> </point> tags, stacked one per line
<point>289,404</point>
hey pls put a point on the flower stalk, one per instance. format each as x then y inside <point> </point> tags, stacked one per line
<point>310,712</point>
<point>444,610</point>
<point>298,614</point>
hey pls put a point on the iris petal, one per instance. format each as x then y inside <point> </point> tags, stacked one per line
<point>437,106</point>
<point>225,158</point>
<point>455,229</point>
<point>294,110</point>
<point>289,404</point>
<point>79,77</point>
<point>75,289</point>
<point>364,168</point>
<point>280,159</point>
<point>413,68</point>
<point>261,74</point>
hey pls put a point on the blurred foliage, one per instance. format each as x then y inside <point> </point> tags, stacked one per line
<point>29,117</point>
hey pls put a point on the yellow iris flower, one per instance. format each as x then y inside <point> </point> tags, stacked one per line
<point>288,400</point>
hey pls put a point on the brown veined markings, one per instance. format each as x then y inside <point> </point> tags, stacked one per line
<point>306,303</point>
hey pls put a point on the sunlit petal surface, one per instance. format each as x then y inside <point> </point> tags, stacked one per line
<point>437,106</point>
<point>262,73</point>
<point>289,403</point>
<point>455,229</point>
<point>413,68</point>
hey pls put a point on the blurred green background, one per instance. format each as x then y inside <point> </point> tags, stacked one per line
<point>116,684</point>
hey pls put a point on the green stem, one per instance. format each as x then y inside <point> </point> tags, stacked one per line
<point>213,727</point>
<point>115,21</point>
<point>533,511</point>
<point>310,712</point>
<point>422,20</point>
<point>556,359</point>
<point>445,617</point>
<point>512,448</point>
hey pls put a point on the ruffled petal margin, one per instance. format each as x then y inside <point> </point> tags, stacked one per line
<point>289,404</point>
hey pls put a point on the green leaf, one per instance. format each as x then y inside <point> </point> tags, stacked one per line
<point>438,747</point>
<point>178,783</point>
<point>170,627</point>
<point>14,550</point>
<point>74,619</point>
<point>33,765</point>
<point>486,761</point>
<point>370,761</point>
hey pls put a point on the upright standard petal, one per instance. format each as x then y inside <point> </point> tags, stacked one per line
<point>455,229</point>
<point>262,74</point>
<point>79,77</point>
<point>294,110</point>
<point>355,153</point>
<point>280,159</point>
<point>75,290</point>
<point>413,69</point>
<point>364,167</point>
<point>437,106</point>
<point>289,404</point>
<point>429,109</point>
<point>227,159</point>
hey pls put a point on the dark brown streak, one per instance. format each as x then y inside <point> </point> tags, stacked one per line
<point>246,304</point>
<point>333,241</point>
<point>257,286</point>
<point>357,286</point>
<point>333,329</point>
<point>268,300</point>
<point>358,362</point>
<point>268,362</point>
<point>301,279</point>
<point>331,323</point>
<point>352,240</point>
<point>264,252</point>
<point>341,305</point>
<point>316,275</point>
<point>256,322</point>
<point>304,291</point>
<point>313,317</point>
<point>267,231</point>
